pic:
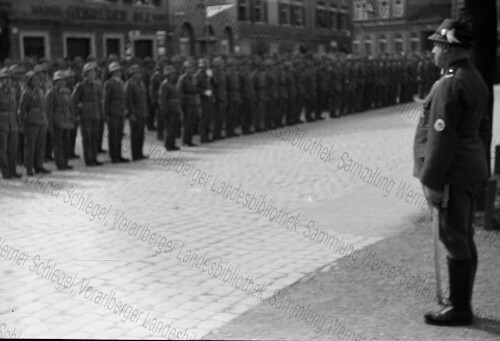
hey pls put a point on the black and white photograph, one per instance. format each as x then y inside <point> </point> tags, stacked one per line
<point>250,170</point>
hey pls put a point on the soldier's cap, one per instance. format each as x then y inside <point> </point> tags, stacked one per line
<point>134,68</point>
<point>454,32</point>
<point>203,62</point>
<point>188,63</point>
<point>218,61</point>
<point>30,75</point>
<point>177,59</point>
<point>170,69</point>
<point>5,73</point>
<point>59,74</point>
<point>39,68</point>
<point>114,66</point>
<point>16,69</point>
<point>89,66</point>
<point>69,73</point>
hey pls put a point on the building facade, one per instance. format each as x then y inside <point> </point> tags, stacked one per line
<point>260,26</point>
<point>84,28</point>
<point>396,26</point>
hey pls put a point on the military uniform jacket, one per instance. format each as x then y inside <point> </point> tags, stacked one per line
<point>188,89</point>
<point>136,98</point>
<point>219,83</point>
<point>154,87</point>
<point>283,89</point>
<point>87,99</point>
<point>204,84</point>
<point>58,108</point>
<point>233,88</point>
<point>455,153</point>
<point>310,83</point>
<point>8,107</point>
<point>259,80</point>
<point>31,108</point>
<point>114,98</point>
<point>420,142</point>
<point>246,87</point>
<point>169,99</point>
<point>272,86</point>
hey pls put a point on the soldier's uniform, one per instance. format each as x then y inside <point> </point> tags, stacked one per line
<point>260,83</point>
<point>114,106</point>
<point>233,98</point>
<point>282,98</point>
<point>292,94</point>
<point>87,101</point>
<point>154,88</point>
<point>190,102</point>
<point>170,107</point>
<point>61,120</point>
<point>9,129</point>
<point>33,121</point>
<point>272,84</point>
<point>247,100</point>
<point>204,80</point>
<point>220,94</point>
<point>301,91</point>
<point>311,88</point>
<point>455,161</point>
<point>136,95</point>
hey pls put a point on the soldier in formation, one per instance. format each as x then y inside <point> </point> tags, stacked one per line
<point>43,104</point>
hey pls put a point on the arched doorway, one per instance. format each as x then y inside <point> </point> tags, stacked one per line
<point>227,44</point>
<point>186,40</point>
<point>398,44</point>
<point>382,44</point>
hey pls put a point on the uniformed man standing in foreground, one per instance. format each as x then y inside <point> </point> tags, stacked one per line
<point>455,164</point>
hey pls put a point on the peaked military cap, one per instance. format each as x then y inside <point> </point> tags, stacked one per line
<point>454,32</point>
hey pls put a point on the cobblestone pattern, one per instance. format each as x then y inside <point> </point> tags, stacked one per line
<point>39,221</point>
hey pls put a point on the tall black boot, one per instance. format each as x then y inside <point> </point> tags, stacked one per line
<point>460,311</point>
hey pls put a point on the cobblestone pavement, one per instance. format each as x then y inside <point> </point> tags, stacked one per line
<point>165,248</point>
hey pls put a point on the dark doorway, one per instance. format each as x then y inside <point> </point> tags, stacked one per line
<point>78,47</point>
<point>113,46</point>
<point>143,48</point>
<point>34,47</point>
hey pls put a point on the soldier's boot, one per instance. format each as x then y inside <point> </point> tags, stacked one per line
<point>459,312</point>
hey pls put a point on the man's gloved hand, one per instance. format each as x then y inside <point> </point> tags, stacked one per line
<point>433,197</point>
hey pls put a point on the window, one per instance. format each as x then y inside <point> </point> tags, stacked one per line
<point>34,47</point>
<point>284,14</point>
<point>333,18</point>
<point>242,10</point>
<point>34,44</point>
<point>368,45</point>
<point>299,13</point>
<point>382,44</point>
<point>384,10</point>
<point>321,15</point>
<point>414,42</point>
<point>356,46</point>
<point>398,43</point>
<point>260,11</point>
<point>79,44</point>
<point>397,8</point>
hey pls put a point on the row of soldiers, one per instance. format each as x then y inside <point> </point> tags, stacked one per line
<point>40,110</point>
